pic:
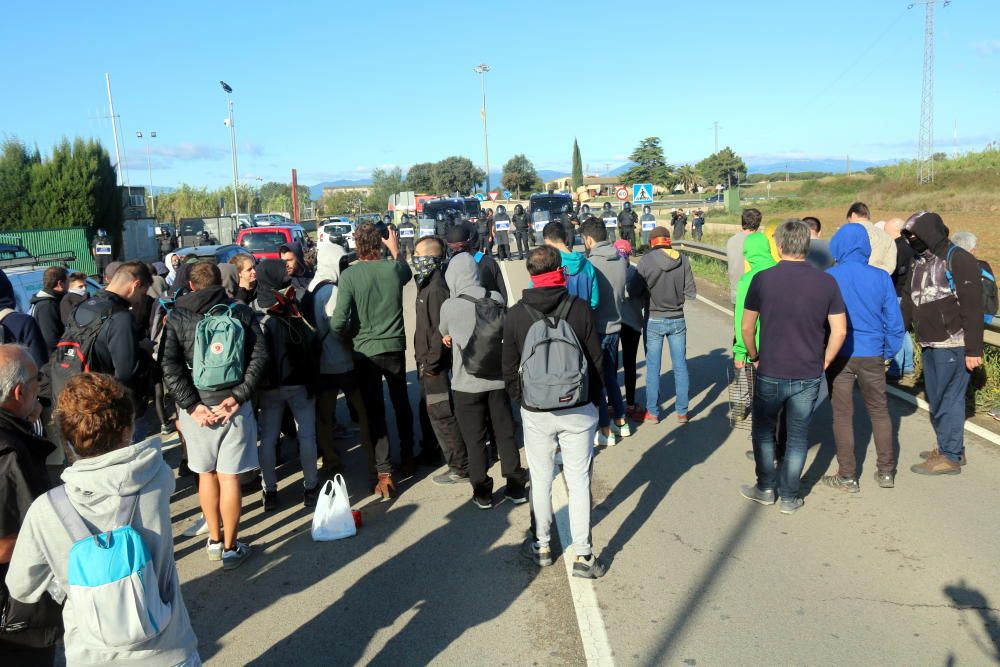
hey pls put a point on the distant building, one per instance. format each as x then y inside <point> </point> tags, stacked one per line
<point>597,186</point>
<point>133,202</point>
<point>363,190</point>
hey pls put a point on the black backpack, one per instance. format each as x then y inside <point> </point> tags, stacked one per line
<point>307,306</point>
<point>482,355</point>
<point>73,353</point>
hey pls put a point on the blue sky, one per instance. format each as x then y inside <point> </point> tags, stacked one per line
<point>335,89</point>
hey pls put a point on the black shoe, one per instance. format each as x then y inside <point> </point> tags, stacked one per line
<point>167,429</point>
<point>430,457</point>
<point>541,556</point>
<point>309,496</point>
<point>588,568</point>
<point>183,470</point>
<point>516,495</point>
<point>482,503</point>
<point>270,500</point>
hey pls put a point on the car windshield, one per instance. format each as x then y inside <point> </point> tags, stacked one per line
<point>473,209</point>
<point>338,229</point>
<point>551,205</point>
<point>263,242</point>
<point>192,227</point>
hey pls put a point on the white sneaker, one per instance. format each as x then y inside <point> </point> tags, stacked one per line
<point>214,550</point>
<point>601,440</point>
<point>622,431</point>
<point>234,557</point>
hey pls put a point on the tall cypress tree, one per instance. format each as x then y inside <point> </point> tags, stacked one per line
<point>15,183</point>
<point>577,166</point>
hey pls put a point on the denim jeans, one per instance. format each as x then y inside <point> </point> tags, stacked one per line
<point>612,395</point>
<point>946,379</point>
<point>797,397</point>
<point>303,407</point>
<point>675,331</point>
<point>902,363</point>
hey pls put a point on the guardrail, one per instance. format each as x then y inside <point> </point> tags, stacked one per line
<point>991,333</point>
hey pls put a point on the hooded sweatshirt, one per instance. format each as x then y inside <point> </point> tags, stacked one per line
<point>940,316</point>
<point>883,247</point>
<point>302,276</point>
<point>874,322</point>
<point>458,319</point>
<point>757,254</point>
<point>335,357</point>
<point>636,300</point>
<point>95,487</point>
<point>21,328</point>
<point>611,273</point>
<point>45,310</point>
<point>581,280</point>
<point>669,280</point>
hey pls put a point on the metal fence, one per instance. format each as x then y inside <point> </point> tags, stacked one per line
<point>61,241</point>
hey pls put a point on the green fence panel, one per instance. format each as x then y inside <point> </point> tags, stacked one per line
<point>64,241</point>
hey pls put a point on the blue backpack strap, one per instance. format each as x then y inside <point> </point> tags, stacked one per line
<point>68,515</point>
<point>478,256</point>
<point>947,267</point>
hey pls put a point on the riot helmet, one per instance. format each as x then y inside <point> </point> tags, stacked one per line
<point>584,211</point>
<point>102,232</point>
<point>628,206</point>
<point>440,217</point>
<point>501,210</point>
<point>387,219</point>
<point>518,209</point>
<point>646,209</point>
<point>607,206</point>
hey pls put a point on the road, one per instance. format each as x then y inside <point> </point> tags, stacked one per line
<point>697,576</point>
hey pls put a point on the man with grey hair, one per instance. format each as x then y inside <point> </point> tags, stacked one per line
<point>791,360</point>
<point>969,242</point>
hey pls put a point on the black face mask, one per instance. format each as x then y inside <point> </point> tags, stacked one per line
<point>918,246</point>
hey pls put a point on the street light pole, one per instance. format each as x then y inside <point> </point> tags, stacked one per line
<point>232,141</point>
<point>149,168</point>
<point>481,69</point>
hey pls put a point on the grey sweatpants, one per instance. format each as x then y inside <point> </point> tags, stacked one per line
<point>572,431</point>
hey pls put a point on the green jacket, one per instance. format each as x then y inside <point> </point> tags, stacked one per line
<point>370,306</point>
<point>757,252</point>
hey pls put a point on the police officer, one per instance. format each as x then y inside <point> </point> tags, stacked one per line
<point>648,223</point>
<point>407,234</point>
<point>627,220</point>
<point>521,231</point>
<point>426,226</point>
<point>610,221</point>
<point>584,213</point>
<point>165,241</point>
<point>100,248</point>
<point>501,233</point>
<point>483,223</point>
<point>441,224</point>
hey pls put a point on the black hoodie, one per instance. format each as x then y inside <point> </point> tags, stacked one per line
<point>303,276</point>
<point>20,328</point>
<point>938,315</point>
<point>580,318</point>
<point>45,305</point>
<point>429,352</point>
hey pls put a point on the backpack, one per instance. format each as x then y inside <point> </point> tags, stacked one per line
<point>3,330</point>
<point>218,349</point>
<point>482,355</point>
<point>73,353</point>
<point>991,299</point>
<point>553,371</point>
<point>298,346</point>
<point>308,304</point>
<point>579,285</point>
<point>110,579</point>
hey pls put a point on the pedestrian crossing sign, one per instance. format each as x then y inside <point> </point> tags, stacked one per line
<point>642,193</point>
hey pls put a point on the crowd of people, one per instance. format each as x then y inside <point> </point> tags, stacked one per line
<point>249,352</point>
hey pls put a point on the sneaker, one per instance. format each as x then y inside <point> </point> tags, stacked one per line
<point>937,452</point>
<point>601,440</point>
<point>885,479</point>
<point>214,550</point>
<point>846,484</point>
<point>589,567</point>
<point>995,413</point>
<point>650,418</point>
<point>621,430</point>
<point>682,419</point>
<point>450,477</point>
<point>233,558</point>
<point>516,495</point>
<point>539,555</point>
<point>270,499</point>
<point>791,505</point>
<point>167,429</point>
<point>482,503</point>
<point>757,495</point>
<point>309,496</point>
<point>937,465</point>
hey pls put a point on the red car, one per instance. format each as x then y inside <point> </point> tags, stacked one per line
<point>263,242</point>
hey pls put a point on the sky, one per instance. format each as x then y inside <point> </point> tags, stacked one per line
<point>336,89</point>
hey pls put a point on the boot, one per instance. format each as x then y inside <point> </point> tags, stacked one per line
<point>385,487</point>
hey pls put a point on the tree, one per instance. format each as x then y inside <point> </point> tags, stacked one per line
<point>724,167</point>
<point>343,201</point>
<point>519,174</point>
<point>385,183</point>
<point>15,183</point>
<point>577,167</point>
<point>272,196</point>
<point>457,175</point>
<point>420,177</point>
<point>689,178</point>
<point>650,165</point>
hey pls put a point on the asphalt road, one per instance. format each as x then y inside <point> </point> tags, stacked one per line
<point>698,575</point>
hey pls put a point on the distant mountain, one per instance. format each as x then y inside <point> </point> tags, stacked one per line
<point>836,166</point>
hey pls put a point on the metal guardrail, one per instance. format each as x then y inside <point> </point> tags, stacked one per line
<point>991,332</point>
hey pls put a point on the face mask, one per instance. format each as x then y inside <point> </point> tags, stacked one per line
<point>918,246</point>
<point>423,267</point>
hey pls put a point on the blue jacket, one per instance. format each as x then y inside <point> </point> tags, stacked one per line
<point>20,328</point>
<point>581,280</point>
<point>874,320</point>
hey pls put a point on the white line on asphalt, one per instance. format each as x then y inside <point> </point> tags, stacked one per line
<point>593,633</point>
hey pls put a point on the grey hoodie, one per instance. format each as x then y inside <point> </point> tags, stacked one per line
<point>336,358</point>
<point>611,271</point>
<point>458,319</point>
<point>669,280</point>
<point>95,486</point>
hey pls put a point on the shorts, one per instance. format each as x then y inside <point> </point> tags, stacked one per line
<point>229,449</point>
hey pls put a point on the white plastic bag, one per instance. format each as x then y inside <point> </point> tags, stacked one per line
<point>332,519</point>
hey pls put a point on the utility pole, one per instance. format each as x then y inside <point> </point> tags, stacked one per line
<point>149,167</point>
<point>481,69</point>
<point>925,149</point>
<point>114,128</point>
<point>716,124</point>
<point>232,142</point>
<point>848,165</point>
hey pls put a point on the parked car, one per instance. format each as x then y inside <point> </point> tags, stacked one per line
<point>340,232</point>
<point>715,199</point>
<point>26,271</point>
<point>447,206</point>
<point>263,242</point>
<point>219,254</point>
<point>265,219</point>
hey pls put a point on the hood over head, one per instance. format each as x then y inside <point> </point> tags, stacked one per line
<point>462,276</point>
<point>272,276</point>
<point>160,269</point>
<point>230,278</point>
<point>328,259</point>
<point>7,299</point>
<point>757,252</point>
<point>851,245</point>
<point>203,299</point>
<point>929,228</point>
<point>296,248</point>
<point>121,472</point>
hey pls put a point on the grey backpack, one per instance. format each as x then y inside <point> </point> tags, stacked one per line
<point>553,368</point>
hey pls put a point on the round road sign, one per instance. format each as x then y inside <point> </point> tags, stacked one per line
<point>621,194</point>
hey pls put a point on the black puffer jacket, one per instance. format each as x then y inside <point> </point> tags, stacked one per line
<point>178,349</point>
<point>429,351</point>
<point>46,313</point>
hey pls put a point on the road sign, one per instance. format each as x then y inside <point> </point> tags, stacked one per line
<point>494,195</point>
<point>506,194</point>
<point>621,193</point>
<point>480,197</point>
<point>642,193</point>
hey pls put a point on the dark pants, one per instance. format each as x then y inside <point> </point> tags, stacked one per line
<point>696,234</point>
<point>503,245</point>
<point>610,405</point>
<point>435,393</point>
<point>628,234</point>
<point>869,373</point>
<point>374,438</point>
<point>406,247</point>
<point>946,379</point>
<point>370,371</point>
<point>27,656</point>
<point>521,237</point>
<point>471,411</point>
<point>798,398</point>
<point>484,242</point>
<point>630,348</point>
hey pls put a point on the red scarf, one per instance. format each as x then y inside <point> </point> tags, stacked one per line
<point>555,278</point>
